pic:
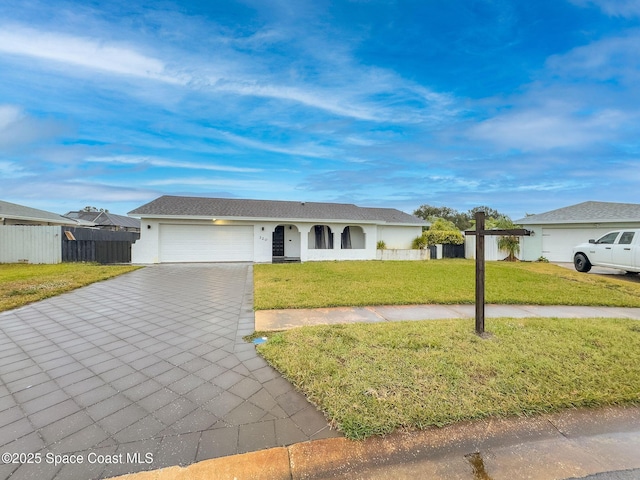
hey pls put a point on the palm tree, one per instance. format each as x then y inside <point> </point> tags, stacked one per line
<point>508,243</point>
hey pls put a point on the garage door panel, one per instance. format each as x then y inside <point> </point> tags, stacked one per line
<point>206,243</point>
<point>558,243</point>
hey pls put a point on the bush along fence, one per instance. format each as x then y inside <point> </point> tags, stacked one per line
<point>91,245</point>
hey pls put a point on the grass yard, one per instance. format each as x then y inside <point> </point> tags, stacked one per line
<point>21,284</point>
<point>331,284</point>
<point>371,379</point>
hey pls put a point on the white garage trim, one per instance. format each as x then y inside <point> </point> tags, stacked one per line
<point>206,243</point>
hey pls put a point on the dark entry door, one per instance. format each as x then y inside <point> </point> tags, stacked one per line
<point>278,242</point>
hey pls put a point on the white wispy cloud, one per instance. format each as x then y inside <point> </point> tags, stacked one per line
<point>344,88</point>
<point>306,149</point>
<point>453,182</point>
<point>75,194</point>
<point>310,97</point>
<point>616,57</point>
<point>161,162</point>
<point>96,54</point>
<point>9,114</point>
<point>553,186</point>
<point>243,185</point>
<point>12,170</point>
<point>615,8</point>
<point>572,105</point>
<point>540,129</point>
<point>19,128</point>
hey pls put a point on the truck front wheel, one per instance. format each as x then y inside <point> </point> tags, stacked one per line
<point>581,262</point>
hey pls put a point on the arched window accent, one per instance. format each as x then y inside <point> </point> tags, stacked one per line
<point>321,237</point>
<point>352,238</point>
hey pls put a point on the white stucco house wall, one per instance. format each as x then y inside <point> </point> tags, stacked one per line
<point>197,229</point>
<point>555,233</point>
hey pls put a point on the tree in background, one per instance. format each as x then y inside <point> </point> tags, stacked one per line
<point>430,213</point>
<point>462,221</point>
<point>89,208</point>
<point>488,211</point>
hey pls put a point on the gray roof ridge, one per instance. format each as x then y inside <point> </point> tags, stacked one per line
<point>589,211</point>
<point>193,206</point>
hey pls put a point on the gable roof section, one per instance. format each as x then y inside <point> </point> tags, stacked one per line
<point>200,207</point>
<point>20,212</point>
<point>104,218</point>
<point>587,212</point>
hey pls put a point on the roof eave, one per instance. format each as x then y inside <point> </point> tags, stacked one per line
<point>561,222</point>
<point>61,221</point>
<point>272,219</point>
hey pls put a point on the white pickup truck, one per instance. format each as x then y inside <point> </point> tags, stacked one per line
<point>619,249</point>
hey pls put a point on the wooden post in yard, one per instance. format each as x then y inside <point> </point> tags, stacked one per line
<point>480,270</point>
<point>480,233</point>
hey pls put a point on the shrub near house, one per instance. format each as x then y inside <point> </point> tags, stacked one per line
<point>442,232</point>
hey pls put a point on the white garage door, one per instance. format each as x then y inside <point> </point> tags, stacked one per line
<point>206,243</point>
<point>558,243</point>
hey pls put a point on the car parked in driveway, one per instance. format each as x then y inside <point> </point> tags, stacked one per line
<point>619,249</point>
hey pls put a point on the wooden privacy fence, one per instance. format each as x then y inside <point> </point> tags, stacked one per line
<point>102,246</point>
<point>55,244</point>
<point>448,251</point>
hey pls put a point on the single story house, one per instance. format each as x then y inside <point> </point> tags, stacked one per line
<point>106,220</point>
<point>555,233</point>
<point>14,214</point>
<point>197,229</point>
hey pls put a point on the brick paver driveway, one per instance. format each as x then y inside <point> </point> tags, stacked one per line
<point>147,367</point>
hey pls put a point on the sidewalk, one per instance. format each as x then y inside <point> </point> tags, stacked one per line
<point>269,320</point>
<point>569,444</point>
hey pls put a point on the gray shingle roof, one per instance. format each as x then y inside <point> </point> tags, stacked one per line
<point>587,212</point>
<point>172,206</point>
<point>20,212</point>
<point>105,218</point>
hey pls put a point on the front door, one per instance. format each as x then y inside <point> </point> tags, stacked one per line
<point>278,242</point>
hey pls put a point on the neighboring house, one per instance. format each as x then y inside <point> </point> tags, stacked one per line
<point>195,229</point>
<point>555,233</point>
<point>14,214</point>
<point>106,221</point>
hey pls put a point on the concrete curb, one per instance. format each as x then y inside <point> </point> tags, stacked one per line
<point>572,443</point>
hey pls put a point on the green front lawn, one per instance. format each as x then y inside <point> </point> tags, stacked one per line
<point>371,379</point>
<point>21,284</point>
<point>330,284</point>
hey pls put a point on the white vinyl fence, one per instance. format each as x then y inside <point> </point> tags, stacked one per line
<point>30,244</point>
<point>491,250</point>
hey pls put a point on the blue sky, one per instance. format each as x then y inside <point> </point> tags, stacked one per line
<point>521,106</point>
